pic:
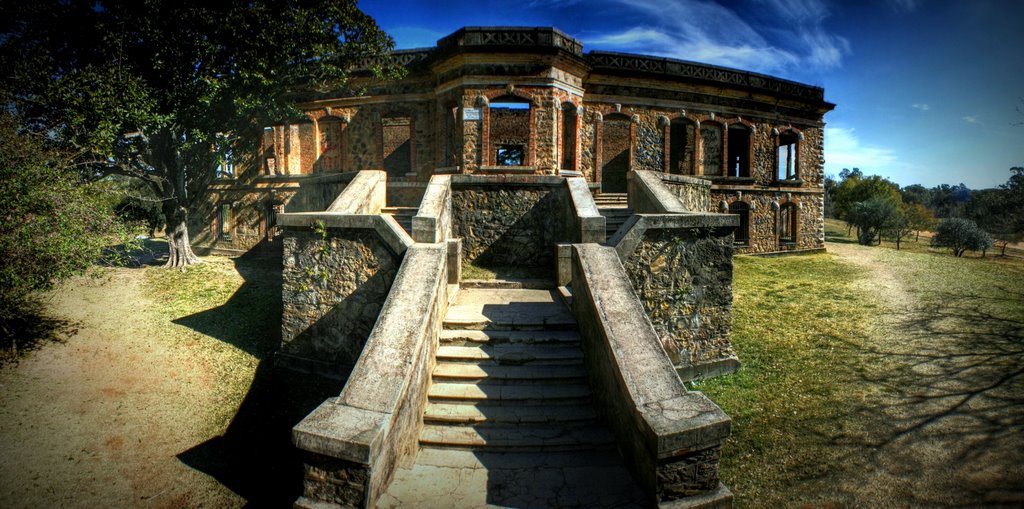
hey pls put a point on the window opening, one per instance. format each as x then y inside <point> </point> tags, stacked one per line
<point>739,151</point>
<point>787,156</point>
<point>510,155</point>
<point>510,130</point>
<point>224,221</point>
<point>742,235</point>
<point>787,223</point>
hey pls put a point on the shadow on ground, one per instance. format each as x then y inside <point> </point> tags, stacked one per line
<point>255,457</point>
<point>948,421</point>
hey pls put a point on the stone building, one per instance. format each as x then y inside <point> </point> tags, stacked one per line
<point>500,100</point>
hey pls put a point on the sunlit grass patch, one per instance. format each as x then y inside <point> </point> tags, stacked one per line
<point>794,321</point>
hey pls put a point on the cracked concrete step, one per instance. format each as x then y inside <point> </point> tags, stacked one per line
<point>512,354</point>
<point>488,414</point>
<point>519,438</point>
<point>536,318</point>
<point>467,371</point>
<point>521,393</point>
<point>470,337</point>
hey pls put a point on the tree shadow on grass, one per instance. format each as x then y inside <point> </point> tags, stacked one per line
<point>255,457</point>
<point>947,420</point>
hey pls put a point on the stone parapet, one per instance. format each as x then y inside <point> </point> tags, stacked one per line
<point>353,443</point>
<point>670,437</point>
<point>588,225</point>
<point>680,266</point>
<point>316,193</point>
<point>647,194</point>
<point>365,194</point>
<point>432,223</point>
<point>337,272</point>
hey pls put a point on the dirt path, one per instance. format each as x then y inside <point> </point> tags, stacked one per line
<point>98,420</point>
<point>941,423</point>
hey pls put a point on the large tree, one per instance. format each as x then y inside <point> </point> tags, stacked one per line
<point>152,88</point>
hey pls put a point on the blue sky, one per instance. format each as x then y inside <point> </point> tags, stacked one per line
<point>927,92</point>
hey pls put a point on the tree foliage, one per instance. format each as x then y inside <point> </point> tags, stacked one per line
<point>149,88</point>
<point>871,217</point>
<point>960,235</point>
<point>52,225</point>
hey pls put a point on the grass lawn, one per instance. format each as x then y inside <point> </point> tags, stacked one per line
<point>866,371</point>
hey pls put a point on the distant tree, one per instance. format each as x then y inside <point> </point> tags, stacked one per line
<point>915,193</point>
<point>920,218</point>
<point>871,217</point>
<point>1000,211</point>
<point>960,235</point>
<point>830,190</point>
<point>52,225</point>
<point>856,189</point>
<point>153,89</point>
<point>949,201</point>
<point>901,224</point>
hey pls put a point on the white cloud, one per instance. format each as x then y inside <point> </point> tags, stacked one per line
<point>921,106</point>
<point>706,31</point>
<point>971,119</point>
<point>843,149</point>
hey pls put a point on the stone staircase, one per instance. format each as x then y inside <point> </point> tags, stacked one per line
<point>509,420</point>
<point>510,377</point>
<point>403,215</point>
<point>615,208</point>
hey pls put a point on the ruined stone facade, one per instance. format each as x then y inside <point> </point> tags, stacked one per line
<point>530,101</point>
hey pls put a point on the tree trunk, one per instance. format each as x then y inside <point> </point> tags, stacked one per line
<point>179,247</point>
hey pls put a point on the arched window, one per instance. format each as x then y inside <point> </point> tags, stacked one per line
<point>738,163</point>
<point>570,126</point>
<point>396,146</point>
<point>510,130</point>
<point>711,139</point>
<point>742,235</point>
<point>787,159</point>
<point>615,152</point>
<point>787,223</point>
<point>680,146</point>
<point>331,133</point>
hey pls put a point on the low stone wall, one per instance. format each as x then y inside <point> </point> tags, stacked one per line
<point>509,220</point>
<point>352,444</point>
<point>694,193</point>
<point>670,438</point>
<point>680,267</point>
<point>648,195</point>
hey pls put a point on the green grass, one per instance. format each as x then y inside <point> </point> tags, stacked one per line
<point>227,313</point>
<point>809,329</point>
<point>794,318</point>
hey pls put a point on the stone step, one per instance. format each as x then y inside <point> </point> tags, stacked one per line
<point>487,414</point>
<point>511,354</point>
<point>445,371</point>
<point>471,337</point>
<point>523,393</point>
<point>518,438</point>
<point>479,309</point>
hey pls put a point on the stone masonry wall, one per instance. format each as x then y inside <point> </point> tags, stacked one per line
<point>509,225</point>
<point>334,284</point>
<point>684,280</point>
<point>764,219</point>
